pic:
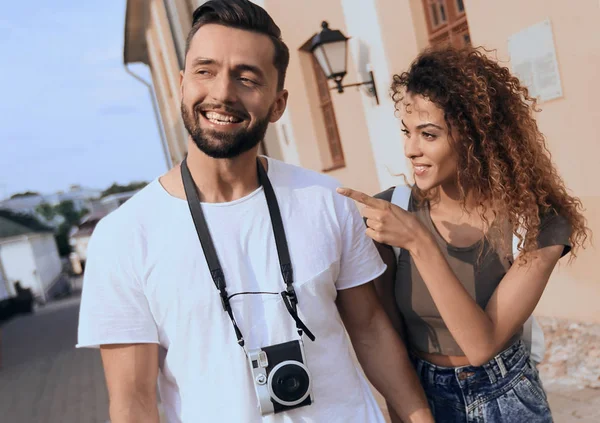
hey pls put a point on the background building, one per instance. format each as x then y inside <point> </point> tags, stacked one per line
<point>3,285</point>
<point>28,255</point>
<point>554,46</point>
<point>83,199</point>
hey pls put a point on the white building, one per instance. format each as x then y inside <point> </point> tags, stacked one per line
<point>81,235</point>
<point>28,254</point>
<point>113,201</point>
<point>25,205</point>
<point>82,198</point>
<point>3,285</point>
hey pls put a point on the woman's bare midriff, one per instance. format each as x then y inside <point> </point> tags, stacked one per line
<point>444,360</point>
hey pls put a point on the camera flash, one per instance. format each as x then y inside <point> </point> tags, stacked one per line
<point>263,361</point>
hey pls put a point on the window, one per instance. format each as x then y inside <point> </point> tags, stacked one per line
<point>447,22</point>
<point>331,128</point>
<point>437,12</point>
<point>442,12</point>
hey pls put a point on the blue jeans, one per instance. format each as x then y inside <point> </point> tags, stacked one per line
<point>506,389</point>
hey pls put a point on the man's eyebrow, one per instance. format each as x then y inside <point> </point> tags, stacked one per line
<point>242,67</point>
<point>198,61</point>
<point>250,68</point>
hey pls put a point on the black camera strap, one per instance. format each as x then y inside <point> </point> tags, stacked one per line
<point>289,295</point>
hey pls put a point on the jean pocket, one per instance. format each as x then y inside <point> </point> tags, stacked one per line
<point>533,376</point>
<point>534,388</point>
<point>522,402</point>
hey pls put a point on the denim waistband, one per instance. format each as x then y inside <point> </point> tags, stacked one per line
<point>497,368</point>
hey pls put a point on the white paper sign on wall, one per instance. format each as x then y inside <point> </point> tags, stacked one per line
<point>533,58</point>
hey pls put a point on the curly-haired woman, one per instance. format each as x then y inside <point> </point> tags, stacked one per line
<point>482,174</point>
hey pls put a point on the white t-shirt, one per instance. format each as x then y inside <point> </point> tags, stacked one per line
<point>146,281</point>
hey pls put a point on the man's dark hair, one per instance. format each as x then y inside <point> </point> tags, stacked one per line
<point>243,14</point>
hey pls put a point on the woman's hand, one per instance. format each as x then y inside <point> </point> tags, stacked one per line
<point>388,223</point>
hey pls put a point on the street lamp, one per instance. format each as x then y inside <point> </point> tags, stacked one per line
<point>330,48</point>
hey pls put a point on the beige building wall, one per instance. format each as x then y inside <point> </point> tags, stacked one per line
<point>299,21</point>
<point>387,35</point>
<point>571,124</point>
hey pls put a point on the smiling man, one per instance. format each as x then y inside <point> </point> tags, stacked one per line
<point>232,279</point>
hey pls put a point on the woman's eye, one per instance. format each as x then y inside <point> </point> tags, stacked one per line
<point>429,136</point>
<point>405,132</point>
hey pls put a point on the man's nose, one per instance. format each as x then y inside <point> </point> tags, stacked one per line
<point>223,89</point>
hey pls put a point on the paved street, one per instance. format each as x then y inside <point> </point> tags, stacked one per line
<point>46,380</point>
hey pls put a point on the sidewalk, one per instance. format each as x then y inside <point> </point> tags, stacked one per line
<point>571,369</point>
<point>575,406</point>
<point>44,379</point>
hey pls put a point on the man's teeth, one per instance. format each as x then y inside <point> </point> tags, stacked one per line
<point>220,119</point>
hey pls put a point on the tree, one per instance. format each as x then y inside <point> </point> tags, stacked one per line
<point>116,188</point>
<point>46,211</point>
<point>25,194</point>
<point>72,218</point>
<point>62,240</point>
<point>66,208</point>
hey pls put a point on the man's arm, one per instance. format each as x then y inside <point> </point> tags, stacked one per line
<point>384,286</point>
<point>381,353</point>
<point>131,371</point>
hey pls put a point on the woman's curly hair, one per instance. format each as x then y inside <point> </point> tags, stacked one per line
<point>503,161</point>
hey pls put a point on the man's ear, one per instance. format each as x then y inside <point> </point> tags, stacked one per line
<point>279,106</point>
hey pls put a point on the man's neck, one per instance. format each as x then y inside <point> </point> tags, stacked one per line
<point>223,180</point>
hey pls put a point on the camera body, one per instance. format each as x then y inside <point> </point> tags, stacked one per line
<point>281,379</point>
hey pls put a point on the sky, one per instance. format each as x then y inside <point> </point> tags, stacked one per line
<point>69,113</point>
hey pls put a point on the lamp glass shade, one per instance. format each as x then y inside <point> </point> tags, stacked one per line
<point>332,57</point>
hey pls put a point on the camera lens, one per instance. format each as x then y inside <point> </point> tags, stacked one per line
<point>289,383</point>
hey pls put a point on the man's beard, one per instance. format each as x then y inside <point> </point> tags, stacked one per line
<point>223,145</point>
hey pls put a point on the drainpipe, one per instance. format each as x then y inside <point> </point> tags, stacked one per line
<point>161,132</point>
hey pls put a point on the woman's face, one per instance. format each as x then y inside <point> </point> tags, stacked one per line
<point>427,143</point>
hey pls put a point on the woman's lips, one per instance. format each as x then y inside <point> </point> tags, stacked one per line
<point>421,170</point>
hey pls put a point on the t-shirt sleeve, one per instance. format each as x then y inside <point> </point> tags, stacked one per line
<point>360,261</point>
<point>114,308</point>
<point>555,230</point>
